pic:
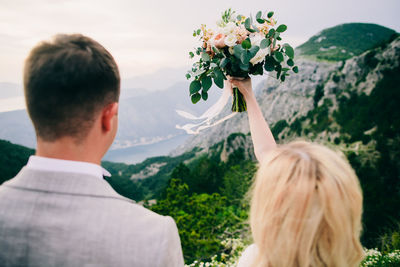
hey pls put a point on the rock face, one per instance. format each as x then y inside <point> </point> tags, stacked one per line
<point>277,101</point>
<point>295,97</point>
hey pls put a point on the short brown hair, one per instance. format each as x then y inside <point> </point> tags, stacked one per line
<point>67,81</point>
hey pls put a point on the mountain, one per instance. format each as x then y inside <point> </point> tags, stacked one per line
<point>295,97</point>
<point>147,121</point>
<point>345,41</point>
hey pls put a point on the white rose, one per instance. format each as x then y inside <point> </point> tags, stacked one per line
<point>260,56</point>
<point>256,38</point>
<point>229,28</point>
<point>231,40</point>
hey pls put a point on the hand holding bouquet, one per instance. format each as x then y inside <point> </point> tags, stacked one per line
<point>239,47</point>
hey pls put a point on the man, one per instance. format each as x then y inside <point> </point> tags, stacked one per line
<point>59,211</point>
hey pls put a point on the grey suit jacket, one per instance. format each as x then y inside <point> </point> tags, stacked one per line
<point>65,219</point>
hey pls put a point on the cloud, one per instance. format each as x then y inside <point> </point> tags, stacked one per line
<point>147,35</point>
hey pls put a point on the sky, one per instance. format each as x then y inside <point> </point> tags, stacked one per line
<point>146,36</point>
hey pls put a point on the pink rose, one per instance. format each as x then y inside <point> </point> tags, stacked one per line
<point>219,40</point>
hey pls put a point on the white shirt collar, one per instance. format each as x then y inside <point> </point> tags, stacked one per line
<point>61,165</point>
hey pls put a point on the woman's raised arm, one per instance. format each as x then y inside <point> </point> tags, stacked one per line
<point>263,140</point>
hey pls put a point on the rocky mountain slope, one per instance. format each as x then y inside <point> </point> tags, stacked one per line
<point>301,92</point>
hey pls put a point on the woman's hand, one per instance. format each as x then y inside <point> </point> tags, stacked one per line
<point>244,85</point>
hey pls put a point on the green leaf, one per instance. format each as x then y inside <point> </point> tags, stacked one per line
<point>246,44</point>
<point>195,86</point>
<point>247,23</point>
<point>206,83</point>
<point>204,95</point>
<point>244,67</point>
<point>253,51</point>
<point>278,69</point>
<point>198,32</point>
<point>289,51</point>
<point>278,56</point>
<point>265,43</point>
<point>290,62</point>
<point>218,78</point>
<point>271,32</point>
<point>283,78</point>
<point>238,50</point>
<point>269,63</point>
<point>270,14</point>
<point>261,21</point>
<point>258,15</point>
<point>281,28</point>
<point>187,76</point>
<point>205,57</point>
<point>295,69</point>
<point>239,17</point>
<point>224,62</point>
<point>285,69</point>
<point>245,57</point>
<point>196,98</point>
<point>191,54</point>
<point>279,38</point>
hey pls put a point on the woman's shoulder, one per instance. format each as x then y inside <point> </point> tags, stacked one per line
<point>248,256</point>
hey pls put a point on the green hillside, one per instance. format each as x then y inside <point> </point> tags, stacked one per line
<point>12,159</point>
<point>345,41</point>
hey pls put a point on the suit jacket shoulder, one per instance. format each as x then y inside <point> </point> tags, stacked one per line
<point>65,219</point>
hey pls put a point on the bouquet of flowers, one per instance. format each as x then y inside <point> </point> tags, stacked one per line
<point>239,47</point>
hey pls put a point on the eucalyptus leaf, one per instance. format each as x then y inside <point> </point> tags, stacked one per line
<point>278,56</point>
<point>253,51</point>
<point>196,98</point>
<point>191,54</point>
<point>258,15</point>
<point>290,62</point>
<point>283,78</point>
<point>247,23</point>
<point>270,14</point>
<point>198,32</point>
<point>194,87</point>
<point>206,83</point>
<point>271,32</point>
<point>245,57</point>
<point>204,95</point>
<point>238,50</point>
<point>265,43</point>
<point>289,51</point>
<point>205,57</point>
<point>269,63</point>
<point>295,69</point>
<point>187,76</point>
<point>261,21</point>
<point>244,67</point>
<point>218,78</point>
<point>281,28</point>
<point>224,62</point>
<point>246,44</point>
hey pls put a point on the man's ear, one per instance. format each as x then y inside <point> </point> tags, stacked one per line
<point>107,116</point>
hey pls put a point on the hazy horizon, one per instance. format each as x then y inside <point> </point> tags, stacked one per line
<point>145,37</point>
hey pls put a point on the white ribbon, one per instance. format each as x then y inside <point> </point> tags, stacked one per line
<point>207,116</point>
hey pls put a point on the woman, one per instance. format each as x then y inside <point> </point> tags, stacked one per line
<point>306,201</point>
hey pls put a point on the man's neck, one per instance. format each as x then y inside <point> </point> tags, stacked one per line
<point>68,149</point>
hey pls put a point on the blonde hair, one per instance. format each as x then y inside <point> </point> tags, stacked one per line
<point>306,208</point>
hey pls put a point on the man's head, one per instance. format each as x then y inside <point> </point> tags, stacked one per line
<point>69,81</point>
